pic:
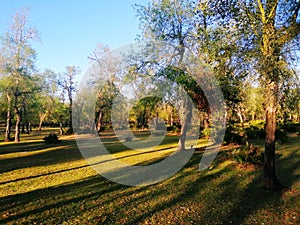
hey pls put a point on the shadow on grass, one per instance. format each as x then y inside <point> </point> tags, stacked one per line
<point>222,195</point>
<point>64,152</point>
<point>56,197</point>
<point>80,167</point>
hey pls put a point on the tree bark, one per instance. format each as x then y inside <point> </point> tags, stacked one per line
<point>70,131</point>
<point>61,129</point>
<point>99,121</point>
<point>18,124</point>
<point>185,124</point>
<point>270,180</point>
<point>42,118</point>
<point>8,120</point>
<point>8,125</point>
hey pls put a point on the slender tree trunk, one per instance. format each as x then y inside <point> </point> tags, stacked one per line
<point>186,122</point>
<point>270,180</point>
<point>42,118</point>
<point>99,121</point>
<point>40,125</point>
<point>8,119</point>
<point>240,115</point>
<point>8,125</point>
<point>206,121</point>
<point>70,130</point>
<point>61,129</point>
<point>171,120</point>
<point>18,125</point>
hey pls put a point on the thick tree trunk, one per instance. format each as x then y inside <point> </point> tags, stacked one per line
<point>270,180</point>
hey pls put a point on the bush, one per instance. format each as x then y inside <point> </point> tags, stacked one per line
<point>247,154</point>
<point>174,129</point>
<point>253,132</point>
<point>233,136</point>
<point>205,132</point>
<point>281,136</point>
<point>289,127</point>
<point>256,130</point>
<point>51,139</point>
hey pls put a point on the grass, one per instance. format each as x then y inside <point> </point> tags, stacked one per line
<point>52,184</point>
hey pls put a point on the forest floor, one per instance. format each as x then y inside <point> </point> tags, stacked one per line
<point>53,184</point>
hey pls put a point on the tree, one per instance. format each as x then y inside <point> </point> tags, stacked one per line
<point>67,83</point>
<point>46,99</point>
<point>267,28</point>
<point>171,22</point>
<point>105,72</point>
<point>17,66</point>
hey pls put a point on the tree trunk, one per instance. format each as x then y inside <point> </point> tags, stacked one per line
<point>61,129</point>
<point>18,124</point>
<point>70,130</point>
<point>240,115</point>
<point>206,121</point>
<point>8,119</point>
<point>42,118</point>
<point>185,124</point>
<point>171,120</point>
<point>99,121</point>
<point>8,125</point>
<point>270,180</point>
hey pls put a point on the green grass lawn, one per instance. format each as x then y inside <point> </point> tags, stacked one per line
<point>52,184</point>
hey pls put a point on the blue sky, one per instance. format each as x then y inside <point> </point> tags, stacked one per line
<point>71,29</point>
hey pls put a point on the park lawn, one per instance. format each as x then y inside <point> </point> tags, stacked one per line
<point>52,184</point>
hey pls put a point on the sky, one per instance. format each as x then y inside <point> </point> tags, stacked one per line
<point>71,29</point>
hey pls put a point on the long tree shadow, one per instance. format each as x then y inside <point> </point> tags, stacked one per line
<point>223,194</point>
<point>64,152</point>
<point>240,198</point>
<point>88,165</point>
<point>55,197</point>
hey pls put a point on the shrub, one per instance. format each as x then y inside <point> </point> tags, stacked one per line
<point>253,132</point>
<point>281,136</point>
<point>289,127</point>
<point>174,129</point>
<point>232,136</point>
<point>205,132</point>
<point>51,139</point>
<point>247,154</point>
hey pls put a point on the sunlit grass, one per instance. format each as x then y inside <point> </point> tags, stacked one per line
<point>45,184</point>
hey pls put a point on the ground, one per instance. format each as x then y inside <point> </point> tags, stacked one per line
<point>52,184</point>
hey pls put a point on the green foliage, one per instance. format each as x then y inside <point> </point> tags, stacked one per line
<point>289,127</point>
<point>281,136</point>
<point>52,138</point>
<point>247,154</point>
<point>232,135</point>
<point>256,130</point>
<point>205,132</point>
